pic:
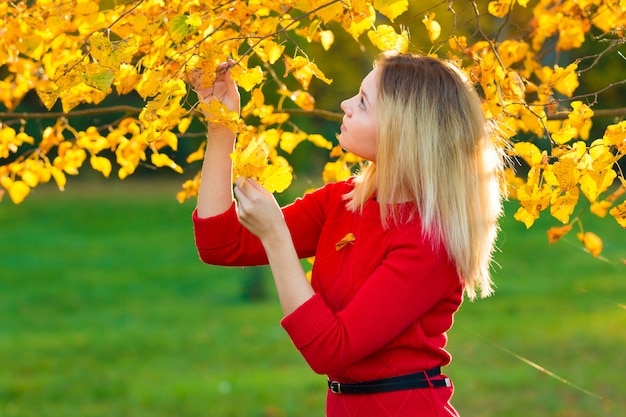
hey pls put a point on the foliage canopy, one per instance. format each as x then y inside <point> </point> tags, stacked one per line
<point>526,57</point>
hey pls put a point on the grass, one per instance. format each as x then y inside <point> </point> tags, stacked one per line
<point>105,310</point>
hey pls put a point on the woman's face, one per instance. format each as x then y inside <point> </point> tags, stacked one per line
<point>359,129</point>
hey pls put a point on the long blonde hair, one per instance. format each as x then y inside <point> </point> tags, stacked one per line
<point>434,148</point>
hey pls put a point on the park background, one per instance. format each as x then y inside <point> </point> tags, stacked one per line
<point>106,310</point>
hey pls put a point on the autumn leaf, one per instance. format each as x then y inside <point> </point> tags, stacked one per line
<point>289,140</point>
<point>247,78</point>
<point>385,38</point>
<point>189,189</point>
<point>249,161</point>
<point>529,152</point>
<point>592,242</point>
<point>320,141</point>
<point>102,164</point>
<point>499,8</point>
<point>197,155</point>
<point>182,26</point>
<point>619,213</point>
<point>18,190</point>
<point>162,160</point>
<point>556,233</point>
<point>432,26</point>
<point>336,171</point>
<point>327,38</point>
<point>615,135</point>
<point>109,54</point>
<point>562,205</point>
<point>277,176</point>
<point>391,9</point>
<point>303,70</point>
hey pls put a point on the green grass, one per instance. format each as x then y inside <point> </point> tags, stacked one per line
<point>105,310</point>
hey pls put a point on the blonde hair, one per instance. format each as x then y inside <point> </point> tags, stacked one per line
<point>434,148</point>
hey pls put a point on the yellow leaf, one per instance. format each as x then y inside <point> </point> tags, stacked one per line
<point>48,92</point>
<point>356,24</point>
<point>101,164</point>
<point>597,179</point>
<point>600,208</point>
<point>249,162</point>
<point>571,32</point>
<point>99,78</point>
<point>69,74</point>
<point>336,171</point>
<point>556,233</point>
<point>289,140</point>
<point>271,137</point>
<point>432,26</point>
<point>182,26</point>
<point>162,160</point>
<point>320,141</point>
<point>303,99</point>
<point>562,206</point>
<point>277,176</point>
<point>522,215</point>
<point>565,80</point>
<point>592,242</point>
<point>197,155</point>
<point>533,199</point>
<point>189,189</point>
<point>619,213</point>
<point>566,173</point>
<point>127,79</point>
<point>303,70</point>
<point>18,190</point>
<point>512,51</point>
<point>385,38</point>
<point>268,50</point>
<point>565,134</point>
<point>615,135</point>
<point>331,12</point>
<point>529,152</point>
<point>499,8</point>
<point>184,124</point>
<point>247,78</point>
<point>30,178</point>
<point>59,177</point>
<point>391,8</point>
<point>327,38</point>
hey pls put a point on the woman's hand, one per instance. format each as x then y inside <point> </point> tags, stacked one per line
<point>258,211</point>
<point>224,89</point>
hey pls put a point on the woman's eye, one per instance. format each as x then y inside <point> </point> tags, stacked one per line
<point>362,103</point>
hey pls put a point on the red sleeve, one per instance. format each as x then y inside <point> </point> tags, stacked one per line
<point>222,240</point>
<point>412,281</point>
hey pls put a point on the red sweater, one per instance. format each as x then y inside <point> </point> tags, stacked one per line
<point>383,302</point>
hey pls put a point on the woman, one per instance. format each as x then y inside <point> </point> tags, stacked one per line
<point>395,247</point>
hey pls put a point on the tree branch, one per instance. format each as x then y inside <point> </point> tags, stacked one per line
<point>597,114</point>
<point>74,113</point>
<point>318,113</point>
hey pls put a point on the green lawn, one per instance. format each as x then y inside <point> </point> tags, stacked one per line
<point>105,310</point>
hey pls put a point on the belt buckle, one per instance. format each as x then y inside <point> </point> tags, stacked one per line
<point>335,387</point>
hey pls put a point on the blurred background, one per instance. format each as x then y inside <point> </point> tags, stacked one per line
<point>106,310</point>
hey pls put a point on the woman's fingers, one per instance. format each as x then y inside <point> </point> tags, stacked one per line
<point>257,209</point>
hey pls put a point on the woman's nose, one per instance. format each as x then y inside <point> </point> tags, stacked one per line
<point>344,106</point>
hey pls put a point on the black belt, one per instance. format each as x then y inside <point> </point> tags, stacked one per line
<point>412,381</point>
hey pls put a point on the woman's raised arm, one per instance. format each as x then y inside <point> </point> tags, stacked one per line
<point>215,195</point>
